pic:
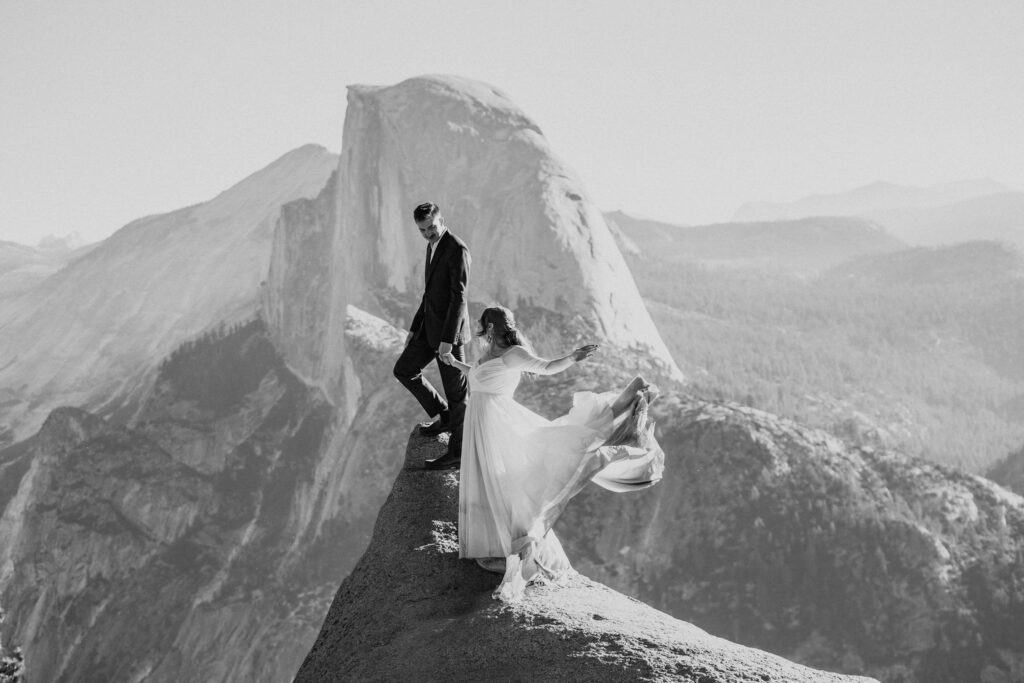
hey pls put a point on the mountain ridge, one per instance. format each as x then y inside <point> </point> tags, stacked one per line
<point>804,245</point>
<point>875,196</point>
<point>86,334</point>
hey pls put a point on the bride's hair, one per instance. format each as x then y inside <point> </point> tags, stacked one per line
<point>504,323</point>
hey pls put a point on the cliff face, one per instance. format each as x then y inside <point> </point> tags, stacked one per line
<point>782,537</point>
<point>411,610</point>
<point>204,542</point>
<point>538,244</point>
<point>89,334</point>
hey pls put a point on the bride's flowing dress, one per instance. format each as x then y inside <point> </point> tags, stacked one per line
<point>519,469</point>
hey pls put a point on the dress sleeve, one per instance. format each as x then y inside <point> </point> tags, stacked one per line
<point>518,358</point>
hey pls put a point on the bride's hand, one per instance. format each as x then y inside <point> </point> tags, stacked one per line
<point>584,352</point>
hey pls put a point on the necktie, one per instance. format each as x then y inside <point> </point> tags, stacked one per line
<point>426,268</point>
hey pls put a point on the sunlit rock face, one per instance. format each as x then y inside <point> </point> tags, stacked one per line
<point>88,334</point>
<point>539,245</point>
<point>305,300</point>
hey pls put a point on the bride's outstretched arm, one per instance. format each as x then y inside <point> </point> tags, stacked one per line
<point>521,359</point>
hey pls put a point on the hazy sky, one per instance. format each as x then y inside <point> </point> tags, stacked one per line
<point>677,110</point>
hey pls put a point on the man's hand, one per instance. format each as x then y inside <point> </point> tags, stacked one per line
<point>444,349</point>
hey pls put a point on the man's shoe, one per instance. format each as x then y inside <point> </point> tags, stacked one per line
<point>438,426</point>
<point>448,461</point>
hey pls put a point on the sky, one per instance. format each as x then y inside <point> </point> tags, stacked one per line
<point>676,110</point>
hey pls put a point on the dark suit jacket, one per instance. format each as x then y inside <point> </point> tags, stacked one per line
<point>443,313</point>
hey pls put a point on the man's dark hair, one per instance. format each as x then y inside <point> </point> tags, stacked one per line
<point>425,211</point>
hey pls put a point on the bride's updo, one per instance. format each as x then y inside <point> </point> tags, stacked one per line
<point>505,331</point>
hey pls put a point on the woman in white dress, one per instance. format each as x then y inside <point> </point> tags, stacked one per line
<point>519,470</point>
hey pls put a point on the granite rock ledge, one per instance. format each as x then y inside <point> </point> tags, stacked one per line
<point>411,610</point>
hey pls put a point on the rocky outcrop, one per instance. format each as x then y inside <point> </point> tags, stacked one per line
<point>96,505</point>
<point>12,664</point>
<point>782,537</point>
<point>411,610</point>
<point>539,245</point>
<point>204,541</point>
<point>90,334</point>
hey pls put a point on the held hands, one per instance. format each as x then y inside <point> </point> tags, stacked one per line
<point>444,353</point>
<point>584,352</point>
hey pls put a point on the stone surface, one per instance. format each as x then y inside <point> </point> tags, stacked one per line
<point>411,610</point>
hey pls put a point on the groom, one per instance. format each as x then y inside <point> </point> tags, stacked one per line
<point>440,326</point>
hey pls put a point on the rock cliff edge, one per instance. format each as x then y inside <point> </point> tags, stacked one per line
<point>412,610</point>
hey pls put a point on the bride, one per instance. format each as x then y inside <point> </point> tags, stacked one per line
<point>519,470</point>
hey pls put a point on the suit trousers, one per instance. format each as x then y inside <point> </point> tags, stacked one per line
<point>409,371</point>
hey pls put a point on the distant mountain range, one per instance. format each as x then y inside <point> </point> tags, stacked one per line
<point>22,266</point>
<point>835,323</point>
<point>806,244</point>
<point>878,196</point>
<point>87,334</point>
<point>997,217</point>
<point>941,214</point>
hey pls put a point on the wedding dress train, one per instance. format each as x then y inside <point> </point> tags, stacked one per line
<point>519,469</point>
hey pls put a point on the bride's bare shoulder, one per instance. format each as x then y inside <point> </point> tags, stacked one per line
<point>516,352</point>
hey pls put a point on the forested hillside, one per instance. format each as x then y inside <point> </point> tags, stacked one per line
<point>916,348</point>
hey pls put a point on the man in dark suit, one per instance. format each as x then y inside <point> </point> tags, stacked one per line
<point>440,327</point>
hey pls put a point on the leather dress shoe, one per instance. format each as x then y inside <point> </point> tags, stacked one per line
<point>438,426</point>
<point>448,461</point>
